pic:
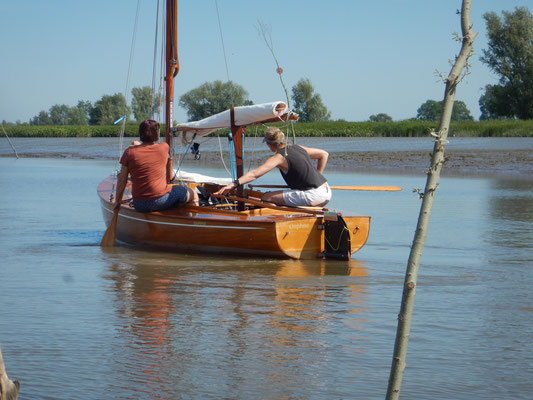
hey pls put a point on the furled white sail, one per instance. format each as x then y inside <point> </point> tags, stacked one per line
<point>199,178</point>
<point>244,115</point>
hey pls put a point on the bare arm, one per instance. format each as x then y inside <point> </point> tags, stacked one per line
<point>273,162</point>
<point>121,185</point>
<point>318,154</point>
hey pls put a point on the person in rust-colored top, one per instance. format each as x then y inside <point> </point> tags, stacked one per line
<point>146,163</point>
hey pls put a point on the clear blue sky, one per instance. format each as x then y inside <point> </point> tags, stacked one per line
<point>362,57</point>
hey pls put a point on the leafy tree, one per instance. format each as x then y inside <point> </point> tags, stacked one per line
<point>77,116</point>
<point>510,56</point>
<point>308,104</point>
<point>141,103</point>
<point>108,109</point>
<point>381,117</point>
<point>42,119</point>
<point>86,106</point>
<point>461,112</point>
<point>59,114</point>
<point>494,104</point>
<point>431,110</point>
<point>212,98</point>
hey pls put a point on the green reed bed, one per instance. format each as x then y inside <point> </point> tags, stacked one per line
<point>408,128</point>
<point>69,131</point>
<point>414,129</point>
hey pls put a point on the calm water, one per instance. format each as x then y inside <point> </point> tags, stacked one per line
<point>81,322</point>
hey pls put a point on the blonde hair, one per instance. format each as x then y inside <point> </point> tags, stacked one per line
<point>274,135</point>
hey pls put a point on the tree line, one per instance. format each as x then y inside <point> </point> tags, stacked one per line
<point>103,112</point>
<point>509,56</point>
<point>207,99</point>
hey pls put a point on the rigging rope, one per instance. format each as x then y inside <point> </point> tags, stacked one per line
<point>221,155</point>
<point>263,30</point>
<point>223,49</point>
<point>154,63</point>
<point>336,248</point>
<point>160,94</point>
<point>231,150</point>
<point>183,158</point>
<point>132,51</point>
<point>254,145</point>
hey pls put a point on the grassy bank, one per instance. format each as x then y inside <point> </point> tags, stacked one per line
<point>69,131</point>
<point>311,129</point>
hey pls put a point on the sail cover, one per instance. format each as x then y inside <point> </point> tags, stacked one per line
<point>244,115</point>
<point>199,178</point>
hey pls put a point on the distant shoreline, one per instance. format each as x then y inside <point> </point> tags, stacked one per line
<point>406,128</point>
<point>468,163</point>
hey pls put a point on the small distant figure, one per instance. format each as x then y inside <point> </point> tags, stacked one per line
<point>308,185</point>
<point>195,149</point>
<point>146,162</point>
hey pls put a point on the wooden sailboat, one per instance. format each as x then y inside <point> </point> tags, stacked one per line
<point>240,223</point>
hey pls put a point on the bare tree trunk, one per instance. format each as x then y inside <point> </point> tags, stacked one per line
<point>9,390</point>
<point>409,289</point>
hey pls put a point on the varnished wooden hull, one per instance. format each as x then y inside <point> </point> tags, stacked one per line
<point>262,232</point>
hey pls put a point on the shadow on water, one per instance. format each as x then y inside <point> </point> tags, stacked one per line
<point>77,237</point>
<point>512,200</point>
<point>510,207</point>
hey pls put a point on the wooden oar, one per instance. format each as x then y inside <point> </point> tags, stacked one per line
<point>374,188</point>
<point>111,232</point>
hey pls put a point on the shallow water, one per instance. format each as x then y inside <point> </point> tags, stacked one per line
<point>82,322</point>
<point>110,147</point>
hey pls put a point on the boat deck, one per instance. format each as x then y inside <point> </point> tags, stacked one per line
<point>220,228</point>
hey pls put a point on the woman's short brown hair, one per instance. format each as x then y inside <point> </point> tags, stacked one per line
<point>149,131</point>
<point>274,136</point>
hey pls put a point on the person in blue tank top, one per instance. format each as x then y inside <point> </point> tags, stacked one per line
<point>308,187</point>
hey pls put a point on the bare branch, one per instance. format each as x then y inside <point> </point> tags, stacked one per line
<point>428,195</point>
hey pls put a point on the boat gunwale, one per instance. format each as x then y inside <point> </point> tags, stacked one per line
<point>203,212</point>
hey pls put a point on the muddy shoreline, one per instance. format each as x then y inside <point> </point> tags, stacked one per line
<point>505,163</point>
<point>474,163</point>
<point>511,163</point>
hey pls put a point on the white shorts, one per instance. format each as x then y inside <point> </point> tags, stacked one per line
<point>312,197</point>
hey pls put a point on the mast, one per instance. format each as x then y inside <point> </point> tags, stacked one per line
<point>238,133</point>
<point>171,70</point>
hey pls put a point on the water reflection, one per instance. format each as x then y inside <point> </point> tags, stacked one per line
<point>214,322</point>
<point>512,200</point>
<point>303,305</point>
<point>144,306</point>
<point>510,205</point>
